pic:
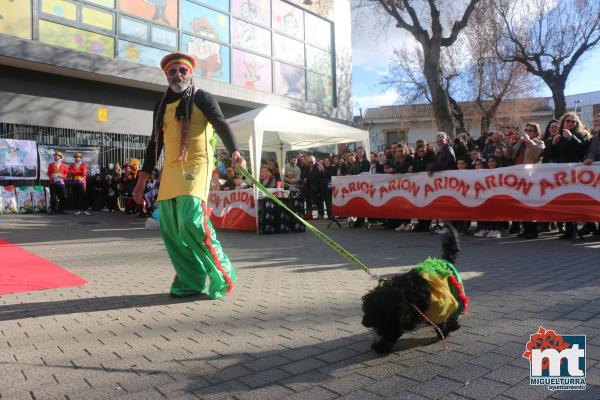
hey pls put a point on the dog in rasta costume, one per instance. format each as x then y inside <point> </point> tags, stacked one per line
<point>430,292</point>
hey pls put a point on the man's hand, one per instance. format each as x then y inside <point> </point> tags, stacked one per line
<point>237,159</point>
<point>138,191</point>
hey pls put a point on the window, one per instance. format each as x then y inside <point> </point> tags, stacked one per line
<point>250,37</point>
<point>60,8</point>
<point>289,50</point>
<point>163,36</point>
<point>162,12</point>
<point>395,136</point>
<point>103,3</point>
<point>137,53</point>
<point>76,39</point>
<point>99,19</point>
<point>290,81</point>
<point>135,29</point>
<point>202,21</point>
<point>288,19</point>
<point>257,11</point>
<point>212,58</point>
<point>318,61</point>
<point>319,88</point>
<point>15,19</point>
<point>250,71</point>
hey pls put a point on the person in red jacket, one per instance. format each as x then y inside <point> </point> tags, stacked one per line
<point>78,171</point>
<point>57,173</point>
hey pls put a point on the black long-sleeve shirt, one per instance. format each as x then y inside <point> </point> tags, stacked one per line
<point>208,104</point>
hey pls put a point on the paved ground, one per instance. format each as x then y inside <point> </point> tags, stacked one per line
<point>291,329</point>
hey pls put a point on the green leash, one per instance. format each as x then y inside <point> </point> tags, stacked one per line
<point>330,242</point>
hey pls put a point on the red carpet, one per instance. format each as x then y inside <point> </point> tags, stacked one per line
<point>21,271</point>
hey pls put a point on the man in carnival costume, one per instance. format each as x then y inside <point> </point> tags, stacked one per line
<point>183,123</point>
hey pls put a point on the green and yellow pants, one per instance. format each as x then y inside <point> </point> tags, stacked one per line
<point>194,249</point>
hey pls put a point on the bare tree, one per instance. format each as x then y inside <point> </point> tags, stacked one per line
<point>411,15</point>
<point>549,38</point>
<point>407,77</point>
<point>491,80</point>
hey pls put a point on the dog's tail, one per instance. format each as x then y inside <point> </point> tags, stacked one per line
<point>450,244</point>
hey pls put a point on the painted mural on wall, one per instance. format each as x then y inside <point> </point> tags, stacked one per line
<point>205,22</point>
<point>289,81</point>
<point>76,39</point>
<point>250,71</point>
<point>15,18</point>
<point>258,11</point>
<point>212,58</point>
<point>140,54</point>
<point>251,37</point>
<point>319,88</point>
<point>162,12</point>
<point>288,19</point>
<point>218,4</point>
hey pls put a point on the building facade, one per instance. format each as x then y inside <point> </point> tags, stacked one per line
<point>83,71</point>
<point>409,123</point>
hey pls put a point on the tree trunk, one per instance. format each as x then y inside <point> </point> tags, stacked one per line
<point>485,123</point>
<point>558,95</point>
<point>458,114</point>
<point>439,96</point>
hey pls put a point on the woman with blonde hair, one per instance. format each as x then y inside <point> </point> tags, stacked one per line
<point>573,142</point>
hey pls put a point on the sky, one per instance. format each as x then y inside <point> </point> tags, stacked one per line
<point>372,50</point>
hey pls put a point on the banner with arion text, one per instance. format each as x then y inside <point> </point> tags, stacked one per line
<point>530,192</point>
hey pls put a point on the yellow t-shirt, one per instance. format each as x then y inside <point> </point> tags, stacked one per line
<point>443,302</point>
<point>192,177</point>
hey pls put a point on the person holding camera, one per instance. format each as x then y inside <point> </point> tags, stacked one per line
<point>526,148</point>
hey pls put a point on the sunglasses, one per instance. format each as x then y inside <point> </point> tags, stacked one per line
<point>183,71</point>
<point>570,121</point>
<point>529,130</point>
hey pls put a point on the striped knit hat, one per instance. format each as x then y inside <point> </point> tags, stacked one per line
<point>177,58</point>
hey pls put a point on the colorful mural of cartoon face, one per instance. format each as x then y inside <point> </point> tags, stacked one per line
<point>202,21</point>
<point>158,11</point>
<point>212,58</point>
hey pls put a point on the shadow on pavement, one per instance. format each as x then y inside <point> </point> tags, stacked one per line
<point>92,304</point>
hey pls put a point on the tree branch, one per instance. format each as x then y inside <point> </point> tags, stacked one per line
<point>459,25</point>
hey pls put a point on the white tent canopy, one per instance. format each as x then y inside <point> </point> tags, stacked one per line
<point>280,130</point>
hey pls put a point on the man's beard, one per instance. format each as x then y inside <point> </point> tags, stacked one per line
<point>180,86</point>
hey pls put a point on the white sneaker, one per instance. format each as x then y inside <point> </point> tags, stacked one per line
<point>401,228</point>
<point>481,233</point>
<point>77,212</point>
<point>442,231</point>
<point>86,213</point>
<point>494,234</point>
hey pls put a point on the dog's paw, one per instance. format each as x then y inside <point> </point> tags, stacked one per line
<point>382,347</point>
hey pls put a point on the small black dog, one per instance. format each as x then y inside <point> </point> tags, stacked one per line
<point>432,292</point>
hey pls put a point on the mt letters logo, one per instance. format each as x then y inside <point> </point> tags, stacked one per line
<point>556,361</point>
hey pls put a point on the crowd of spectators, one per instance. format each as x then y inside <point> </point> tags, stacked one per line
<point>562,141</point>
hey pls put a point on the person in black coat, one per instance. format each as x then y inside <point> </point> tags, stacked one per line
<point>444,159</point>
<point>329,171</point>
<point>313,185</point>
<point>361,159</point>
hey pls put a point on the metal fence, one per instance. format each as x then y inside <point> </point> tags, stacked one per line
<point>114,147</point>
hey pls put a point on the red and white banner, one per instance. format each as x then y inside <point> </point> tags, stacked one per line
<point>233,209</point>
<point>536,192</point>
